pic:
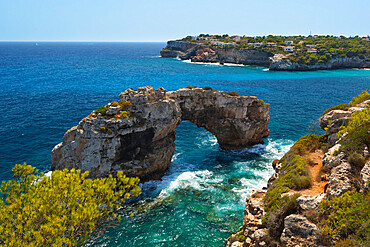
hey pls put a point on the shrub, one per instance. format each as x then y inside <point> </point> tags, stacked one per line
<point>103,129</point>
<point>233,94</point>
<point>241,237</point>
<point>123,114</point>
<point>208,88</point>
<point>357,160</point>
<point>64,209</point>
<point>190,87</point>
<point>357,133</point>
<point>346,215</point>
<point>114,104</point>
<point>109,131</point>
<point>363,96</point>
<point>343,107</point>
<point>124,104</point>
<point>102,110</point>
<point>275,221</point>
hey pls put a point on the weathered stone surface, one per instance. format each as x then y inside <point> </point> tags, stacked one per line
<point>141,142</point>
<point>335,125</point>
<point>340,180</point>
<point>331,116</point>
<point>332,140</point>
<point>365,177</point>
<point>298,231</point>
<point>330,160</point>
<point>236,122</point>
<point>307,202</point>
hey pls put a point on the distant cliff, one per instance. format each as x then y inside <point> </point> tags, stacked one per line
<point>137,134</point>
<point>198,52</point>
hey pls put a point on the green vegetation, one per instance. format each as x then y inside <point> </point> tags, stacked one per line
<point>123,114</point>
<point>233,94</point>
<point>347,217</point>
<point>357,133</point>
<point>191,87</point>
<point>65,209</point>
<point>208,88</point>
<point>114,104</point>
<point>102,110</point>
<point>275,221</point>
<point>293,175</point>
<point>363,96</point>
<point>103,129</point>
<point>125,104</point>
<point>306,50</point>
<point>241,236</point>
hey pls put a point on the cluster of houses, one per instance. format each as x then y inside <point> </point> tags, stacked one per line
<point>233,39</point>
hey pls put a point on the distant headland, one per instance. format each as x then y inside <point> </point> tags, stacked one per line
<point>289,53</point>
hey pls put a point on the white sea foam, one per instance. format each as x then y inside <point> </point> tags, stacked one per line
<point>196,180</point>
<point>267,69</point>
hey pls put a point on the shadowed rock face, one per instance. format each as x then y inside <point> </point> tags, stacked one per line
<point>142,142</point>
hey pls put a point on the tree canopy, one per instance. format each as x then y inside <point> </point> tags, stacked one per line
<point>63,209</point>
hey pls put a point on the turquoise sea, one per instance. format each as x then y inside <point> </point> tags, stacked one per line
<point>46,88</point>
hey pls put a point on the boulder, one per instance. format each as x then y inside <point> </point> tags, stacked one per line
<point>298,231</point>
<point>340,180</point>
<point>331,116</point>
<point>308,203</point>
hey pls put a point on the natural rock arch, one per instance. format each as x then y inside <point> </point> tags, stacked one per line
<point>142,142</point>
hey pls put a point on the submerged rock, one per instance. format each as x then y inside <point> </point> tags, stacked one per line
<point>137,134</point>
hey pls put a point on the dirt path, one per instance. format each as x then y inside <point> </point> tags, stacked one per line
<point>317,185</point>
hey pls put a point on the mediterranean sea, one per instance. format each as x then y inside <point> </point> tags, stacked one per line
<point>46,88</point>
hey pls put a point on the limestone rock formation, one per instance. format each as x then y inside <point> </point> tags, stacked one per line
<point>298,231</point>
<point>137,133</point>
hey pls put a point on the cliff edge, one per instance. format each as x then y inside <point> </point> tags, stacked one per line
<point>319,193</point>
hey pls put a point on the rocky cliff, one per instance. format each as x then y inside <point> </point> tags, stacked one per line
<point>204,53</point>
<point>198,52</point>
<point>137,133</point>
<point>297,221</point>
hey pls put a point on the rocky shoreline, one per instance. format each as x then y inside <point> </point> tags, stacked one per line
<point>137,134</point>
<point>198,52</point>
<point>300,228</point>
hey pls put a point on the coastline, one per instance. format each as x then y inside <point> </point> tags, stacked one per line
<point>200,53</point>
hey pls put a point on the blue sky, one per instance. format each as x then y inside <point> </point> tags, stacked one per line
<point>161,20</point>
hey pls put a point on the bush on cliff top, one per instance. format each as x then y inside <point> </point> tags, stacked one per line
<point>363,96</point>
<point>102,110</point>
<point>347,216</point>
<point>64,209</point>
<point>357,133</point>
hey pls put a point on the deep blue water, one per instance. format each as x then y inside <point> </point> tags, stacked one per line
<point>47,88</point>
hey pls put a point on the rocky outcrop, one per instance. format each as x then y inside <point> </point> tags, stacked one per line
<point>253,232</point>
<point>199,52</point>
<point>298,231</point>
<point>137,133</point>
<point>301,228</point>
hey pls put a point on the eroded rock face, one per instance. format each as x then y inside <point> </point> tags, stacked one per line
<point>138,137</point>
<point>298,231</point>
<point>237,122</point>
